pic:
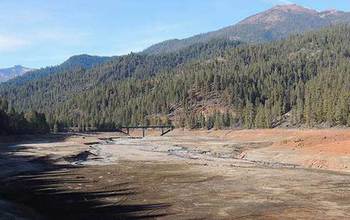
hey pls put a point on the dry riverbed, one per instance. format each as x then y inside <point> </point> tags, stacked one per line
<point>255,174</point>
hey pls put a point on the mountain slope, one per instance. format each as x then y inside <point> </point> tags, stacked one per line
<point>75,62</point>
<point>49,91</point>
<point>12,72</point>
<point>305,78</point>
<point>274,24</point>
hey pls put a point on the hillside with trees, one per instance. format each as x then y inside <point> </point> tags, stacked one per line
<point>48,93</point>
<point>303,80</point>
<point>14,123</point>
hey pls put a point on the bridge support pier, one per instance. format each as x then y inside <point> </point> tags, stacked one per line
<point>164,128</point>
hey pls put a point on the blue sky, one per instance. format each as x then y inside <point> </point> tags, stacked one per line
<point>38,33</point>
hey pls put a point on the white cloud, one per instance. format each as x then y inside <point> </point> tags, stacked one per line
<point>11,43</point>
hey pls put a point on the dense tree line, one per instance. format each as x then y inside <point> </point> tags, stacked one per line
<point>46,94</point>
<point>303,80</point>
<point>12,122</point>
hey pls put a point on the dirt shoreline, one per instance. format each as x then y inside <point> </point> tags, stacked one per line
<point>245,174</point>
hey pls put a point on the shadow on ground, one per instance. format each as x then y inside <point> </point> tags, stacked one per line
<point>40,189</point>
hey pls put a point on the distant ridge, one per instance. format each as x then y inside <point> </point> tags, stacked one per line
<point>75,62</point>
<point>12,72</point>
<point>274,24</point>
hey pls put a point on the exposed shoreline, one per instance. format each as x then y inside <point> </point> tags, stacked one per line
<point>205,174</point>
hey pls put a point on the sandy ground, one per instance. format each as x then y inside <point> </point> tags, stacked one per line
<point>242,174</point>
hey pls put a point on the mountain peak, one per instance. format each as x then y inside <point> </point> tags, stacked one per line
<point>293,8</point>
<point>275,23</point>
<point>12,72</point>
<point>278,14</point>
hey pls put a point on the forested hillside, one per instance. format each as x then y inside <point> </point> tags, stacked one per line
<point>12,122</point>
<point>47,93</point>
<point>304,80</point>
<point>252,86</point>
